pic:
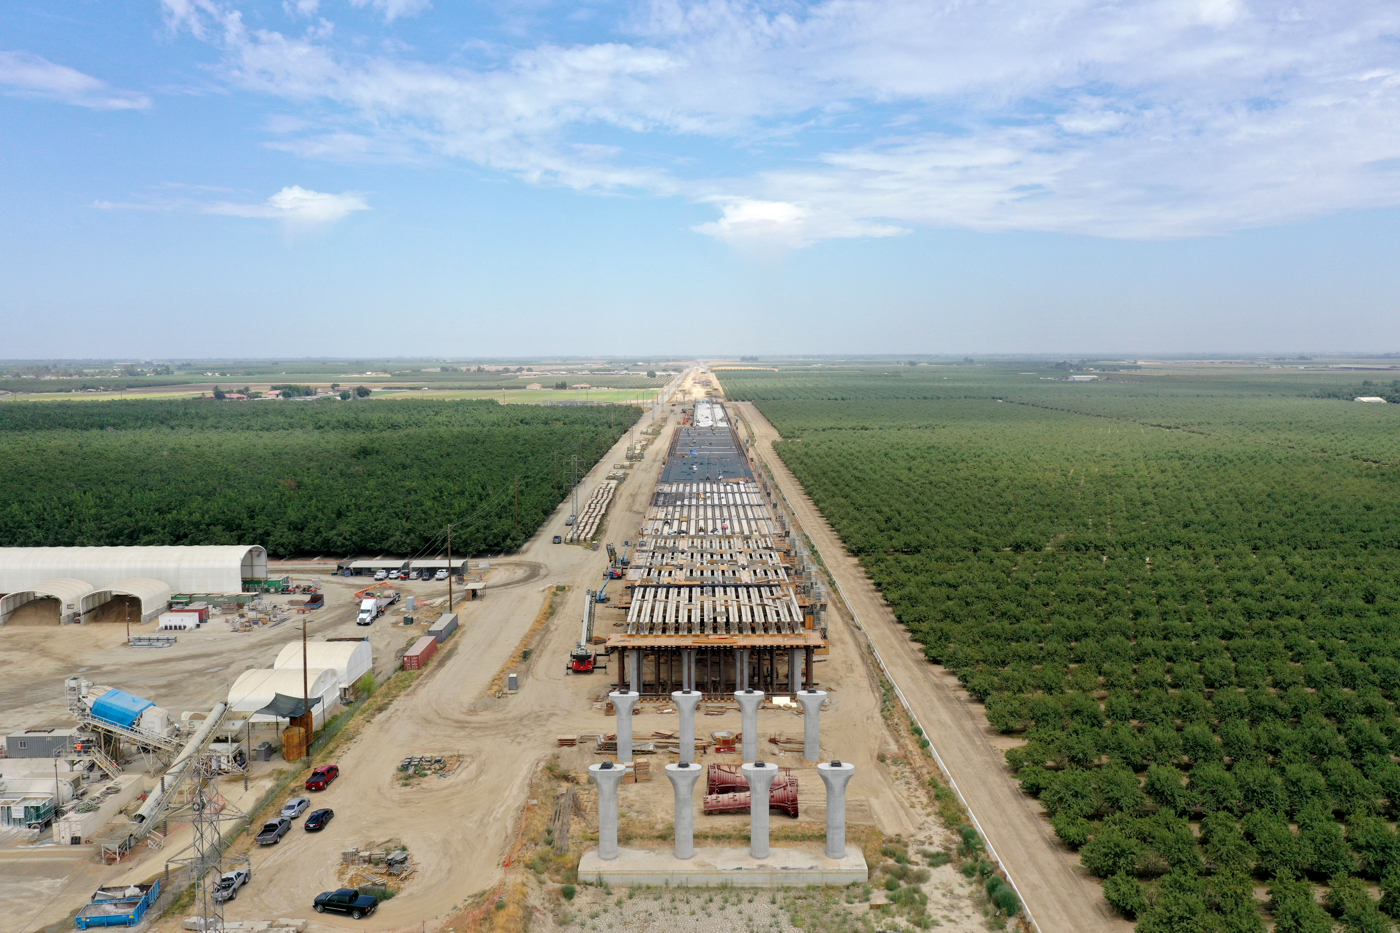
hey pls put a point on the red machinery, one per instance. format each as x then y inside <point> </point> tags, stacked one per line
<point>581,659</point>
<point>780,798</point>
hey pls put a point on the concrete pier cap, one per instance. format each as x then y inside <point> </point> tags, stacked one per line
<point>607,776</point>
<point>686,701</point>
<point>836,774</point>
<point>624,701</point>
<point>749,702</point>
<point>811,701</point>
<point>683,777</point>
<point>760,775</point>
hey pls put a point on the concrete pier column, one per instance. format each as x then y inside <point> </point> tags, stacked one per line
<point>686,701</point>
<point>749,702</point>
<point>634,669</point>
<point>812,701</point>
<point>760,775</point>
<point>623,702</point>
<point>607,776</point>
<point>794,670</point>
<point>683,777</point>
<point>836,775</point>
<point>687,668</point>
<point>741,669</point>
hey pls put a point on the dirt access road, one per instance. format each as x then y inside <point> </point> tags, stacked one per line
<point>1060,897</point>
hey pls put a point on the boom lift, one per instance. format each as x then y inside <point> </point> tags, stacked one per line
<point>581,659</point>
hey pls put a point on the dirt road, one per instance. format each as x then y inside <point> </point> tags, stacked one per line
<point>1060,897</point>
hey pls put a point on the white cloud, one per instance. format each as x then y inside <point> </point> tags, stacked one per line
<point>1139,118</point>
<point>23,74</point>
<point>296,207</point>
<point>393,9</point>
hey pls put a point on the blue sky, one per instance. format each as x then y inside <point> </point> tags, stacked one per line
<point>222,177</point>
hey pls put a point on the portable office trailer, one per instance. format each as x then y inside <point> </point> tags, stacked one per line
<point>39,743</point>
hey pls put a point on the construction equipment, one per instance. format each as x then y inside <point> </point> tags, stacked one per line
<point>603,594</point>
<point>581,659</point>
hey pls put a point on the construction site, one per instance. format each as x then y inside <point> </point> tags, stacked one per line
<point>690,597</point>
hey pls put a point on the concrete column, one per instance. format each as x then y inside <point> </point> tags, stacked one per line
<point>607,776</point>
<point>623,702</point>
<point>686,701</point>
<point>634,669</point>
<point>741,669</point>
<point>683,777</point>
<point>749,702</point>
<point>794,670</point>
<point>836,775</point>
<point>760,775</point>
<point>812,701</point>
<point>687,668</point>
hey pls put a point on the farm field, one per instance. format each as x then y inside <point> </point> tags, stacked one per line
<point>536,397</point>
<point>1177,589</point>
<point>306,478</point>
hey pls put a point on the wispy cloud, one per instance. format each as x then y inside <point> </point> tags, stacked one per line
<point>26,75</point>
<point>1140,119</point>
<point>296,207</point>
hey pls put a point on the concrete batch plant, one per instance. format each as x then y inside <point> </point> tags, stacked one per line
<point>721,602</point>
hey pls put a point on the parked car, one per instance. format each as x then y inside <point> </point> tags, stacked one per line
<point>273,831</point>
<point>394,574</point>
<point>295,807</point>
<point>318,819</point>
<point>558,539</point>
<point>346,901</point>
<point>226,889</point>
<point>322,776</point>
<point>440,575</point>
<point>414,575</point>
<point>571,519</point>
<point>381,575</point>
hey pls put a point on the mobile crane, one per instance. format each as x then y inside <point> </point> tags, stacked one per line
<point>581,659</point>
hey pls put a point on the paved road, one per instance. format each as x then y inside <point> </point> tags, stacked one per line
<point>1061,898</point>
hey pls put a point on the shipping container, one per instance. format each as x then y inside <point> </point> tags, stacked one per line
<point>444,626</point>
<point>418,655</point>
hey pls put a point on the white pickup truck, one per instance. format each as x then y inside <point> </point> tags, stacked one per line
<point>372,607</point>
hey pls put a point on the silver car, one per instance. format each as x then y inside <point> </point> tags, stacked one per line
<point>440,575</point>
<point>295,807</point>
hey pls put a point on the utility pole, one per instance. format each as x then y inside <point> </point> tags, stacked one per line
<point>306,691</point>
<point>449,568</point>
<point>128,621</point>
<point>517,505</point>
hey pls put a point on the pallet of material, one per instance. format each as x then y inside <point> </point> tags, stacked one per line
<point>641,771</point>
<point>566,741</point>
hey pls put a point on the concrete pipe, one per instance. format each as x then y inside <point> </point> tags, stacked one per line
<point>623,701</point>
<point>836,775</point>
<point>683,778</point>
<point>812,701</point>
<point>749,702</point>
<point>686,701</point>
<point>607,776</point>
<point>760,777</point>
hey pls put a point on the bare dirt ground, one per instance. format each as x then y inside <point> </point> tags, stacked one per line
<point>1061,898</point>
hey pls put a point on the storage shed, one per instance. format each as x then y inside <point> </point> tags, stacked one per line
<point>350,660</point>
<point>256,689</point>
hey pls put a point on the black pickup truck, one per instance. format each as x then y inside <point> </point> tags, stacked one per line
<point>347,901</point>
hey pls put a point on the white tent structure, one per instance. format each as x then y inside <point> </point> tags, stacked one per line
<point>350,660</point>
<point>83,578</point>
<point>256,689</point>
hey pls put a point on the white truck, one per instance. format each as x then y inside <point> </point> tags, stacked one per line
<point>372,607</point>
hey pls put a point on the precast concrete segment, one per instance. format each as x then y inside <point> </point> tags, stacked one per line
<point>812,701</point>
<point>607,776</point>
<point>686,701</point>
<point>683,777</point>
<point>836,775</point>
<point>749,702</point>
<point>760,776</point>
<point>623,702</point>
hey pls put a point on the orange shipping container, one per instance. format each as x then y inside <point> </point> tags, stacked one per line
<point>418,655</point>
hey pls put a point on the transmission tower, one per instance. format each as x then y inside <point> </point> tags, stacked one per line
<point>213,819</point>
